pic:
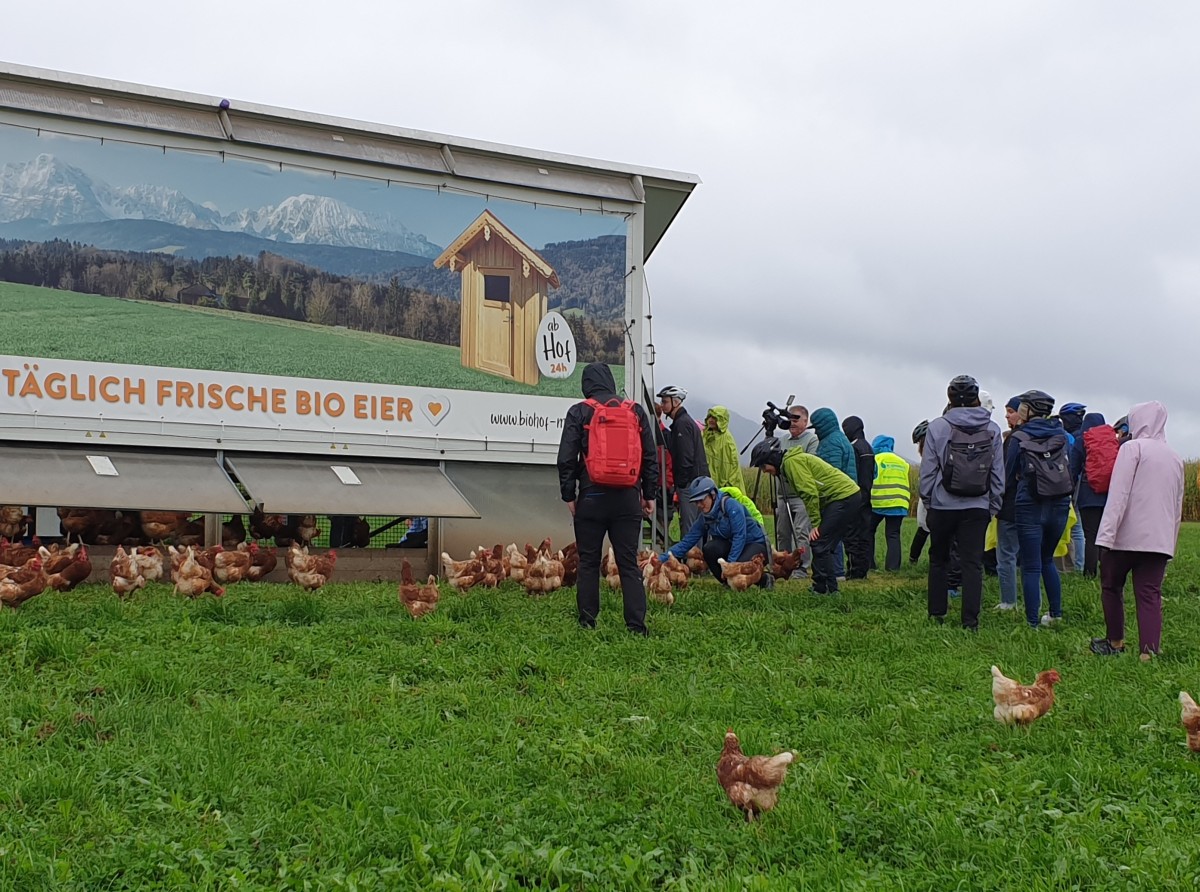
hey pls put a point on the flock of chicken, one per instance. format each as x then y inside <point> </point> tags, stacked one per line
<point>28,570</point>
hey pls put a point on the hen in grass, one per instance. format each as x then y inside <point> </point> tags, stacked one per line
<point>1191,720</point>
<point>740,575</point>
<point>418,600</point>
<point>751,782</point>
<point>1018,704</point>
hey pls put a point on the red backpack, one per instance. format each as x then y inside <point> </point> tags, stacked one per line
<point>614,453</point>
<point>1101,445</point>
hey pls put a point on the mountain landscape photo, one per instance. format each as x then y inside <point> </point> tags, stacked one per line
<point>47,199</point>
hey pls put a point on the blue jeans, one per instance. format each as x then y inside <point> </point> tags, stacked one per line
<point>1039,527</point>
<point>1078,543</point>
<point>1007,546</point>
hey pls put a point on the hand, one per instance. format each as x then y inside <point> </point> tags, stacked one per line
<point>571,507</point>
<point>648,507</point>
<point>814,535</point>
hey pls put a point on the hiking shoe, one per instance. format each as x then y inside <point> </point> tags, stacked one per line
<point>1004,605</point>
<point>798,574</point>
<point>768,581</point>
<point>1048,620</point>
<point>1103,647</point>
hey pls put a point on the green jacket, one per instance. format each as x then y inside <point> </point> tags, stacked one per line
<point>724,465</point>
<point>816,481</point>
<point>734,493</point>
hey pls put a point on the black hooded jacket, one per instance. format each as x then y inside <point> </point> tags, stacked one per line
<point>598,385</point>
<point>686,444</point>
<point>864,455</point>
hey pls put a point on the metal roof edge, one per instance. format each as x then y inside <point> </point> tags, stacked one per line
<point>684,182</point>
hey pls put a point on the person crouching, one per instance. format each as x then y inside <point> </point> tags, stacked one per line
<point>830,496</point>
<point>731,532</point>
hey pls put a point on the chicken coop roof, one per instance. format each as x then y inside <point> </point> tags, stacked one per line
<point>486,225</point>
<point>27,90</point>
<point>312,485</point>
<point>101,478</point>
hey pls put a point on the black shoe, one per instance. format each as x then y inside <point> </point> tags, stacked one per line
<point>645,633</point>
<point>938,619</point>
<point>768,581</point>
<point>587,624</point>
<point>1103,647</point>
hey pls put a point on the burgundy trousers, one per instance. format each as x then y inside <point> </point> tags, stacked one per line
<point>1148,569</point>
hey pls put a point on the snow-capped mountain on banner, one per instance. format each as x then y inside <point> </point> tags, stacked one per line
<point>50,190</point>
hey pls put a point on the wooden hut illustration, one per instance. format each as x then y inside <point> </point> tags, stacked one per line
<point>505,285</point>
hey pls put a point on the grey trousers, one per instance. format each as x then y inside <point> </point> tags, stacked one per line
<point>689,513</point>
<point>794,527</point>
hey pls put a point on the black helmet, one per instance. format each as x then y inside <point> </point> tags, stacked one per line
<point>963,391</point>
<point>1040,403</point>
<point>768,452</point>
<point>919,432</point>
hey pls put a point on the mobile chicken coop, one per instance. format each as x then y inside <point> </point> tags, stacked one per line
<point>214,307</point>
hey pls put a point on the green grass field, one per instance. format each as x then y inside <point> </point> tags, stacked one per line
<point>275,740</point>
<point>66,325</point>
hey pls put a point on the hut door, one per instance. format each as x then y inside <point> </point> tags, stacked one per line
<point>495,338</point>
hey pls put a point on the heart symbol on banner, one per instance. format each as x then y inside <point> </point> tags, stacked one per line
<point>435,409</point>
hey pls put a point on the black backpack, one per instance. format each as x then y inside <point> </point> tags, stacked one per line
<point>967,461</point>
<point>1043,463</point>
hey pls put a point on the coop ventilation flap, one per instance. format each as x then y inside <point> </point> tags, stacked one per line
<point>120,479</point>
<point>314,486</point>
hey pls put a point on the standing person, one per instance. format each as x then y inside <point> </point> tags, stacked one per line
<point>1038,468</point>
<point>1093,458</point>
<point>720,450</point>
<point>791,517</point>
<point>687,451</point>
<point>891,496</point>
<point>1139,530</point>
<point>1007,543</point>
<point>1071,416</point>
<point>830,497</point>
<point>615,510</point>
<point>962,485</point>
<point>728,530</point>
<point>864,469</point>
<point>922,534</point>
<point>835,449</point>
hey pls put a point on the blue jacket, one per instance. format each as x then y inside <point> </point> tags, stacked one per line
<point>727,520</point>
<point>1035,428</point>
<point>1085,496</point>
<point>834,447</point>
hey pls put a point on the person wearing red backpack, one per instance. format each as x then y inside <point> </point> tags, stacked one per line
<point>607,475</point>
<point>1092,459</point>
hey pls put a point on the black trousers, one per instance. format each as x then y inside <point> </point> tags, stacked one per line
<point>616,513</point>
<point>891,535</point>
<point>860,541</point>
<point>719,548</point>
<point>837,519</point>
<point>1090,518</point>
<point>964,529</point>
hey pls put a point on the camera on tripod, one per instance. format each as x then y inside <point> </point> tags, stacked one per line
<point>775,418</point>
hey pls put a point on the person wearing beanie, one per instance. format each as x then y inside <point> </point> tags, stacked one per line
<point>864,459</point>
<point>1007,545</point>
<point>1071,415</point>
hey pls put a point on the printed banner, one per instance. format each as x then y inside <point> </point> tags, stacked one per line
<point>91,393</point>
<point>184,286</point>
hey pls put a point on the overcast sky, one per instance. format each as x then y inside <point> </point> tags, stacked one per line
<point>894,193</point>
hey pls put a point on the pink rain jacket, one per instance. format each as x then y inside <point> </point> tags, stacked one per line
<point>1145,498</point>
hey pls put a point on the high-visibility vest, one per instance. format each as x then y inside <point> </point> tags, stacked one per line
<point>890,489</point>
